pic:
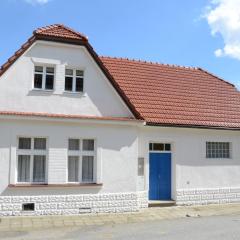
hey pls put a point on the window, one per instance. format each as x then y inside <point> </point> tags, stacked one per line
<point>31,157</point>
<point>81,158</point>
<point>74,80</point>
<point>159,146</point>
<point>218,150</point>
<point>43,77</point>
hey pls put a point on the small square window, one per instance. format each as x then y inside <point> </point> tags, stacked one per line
<point>73,144</point>
<point>24,143</point>
<point>74,80</point>
<point>43,77</point>
<point>88,145</point>
<point>38,69</point>
<point>79,73</point>
<point>167,147</point>
<point>69,72</point>
<point>217,150</point>
<point>40,143</point>
<point>50,70</point>
<point>158,147</point>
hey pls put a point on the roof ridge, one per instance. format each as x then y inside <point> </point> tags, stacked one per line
<point>150,62</point>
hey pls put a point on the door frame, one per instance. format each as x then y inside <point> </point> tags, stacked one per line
<point>173,163</point>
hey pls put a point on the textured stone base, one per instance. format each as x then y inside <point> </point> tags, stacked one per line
<point>208,196</point>
<point>74,204</point>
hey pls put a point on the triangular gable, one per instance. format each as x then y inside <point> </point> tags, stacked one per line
<point>63,34</point>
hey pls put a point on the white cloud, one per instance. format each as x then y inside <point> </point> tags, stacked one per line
<point>223,17</point>
<point>33,2</point>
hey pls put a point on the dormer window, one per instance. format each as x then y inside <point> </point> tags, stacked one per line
<point>74,80</point>
<point>43,77</point>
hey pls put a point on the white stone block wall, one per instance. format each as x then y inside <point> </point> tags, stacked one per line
<point>74,204</point>
<point>207,196</point>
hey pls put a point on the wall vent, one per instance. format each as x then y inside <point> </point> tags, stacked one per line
<point>85,210</point>
<point>28,206</point>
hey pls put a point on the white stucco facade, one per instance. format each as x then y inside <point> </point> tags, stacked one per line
<point>98,98</point>
<point>117,187</point>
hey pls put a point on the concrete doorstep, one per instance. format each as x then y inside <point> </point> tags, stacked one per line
<point>22,223</point>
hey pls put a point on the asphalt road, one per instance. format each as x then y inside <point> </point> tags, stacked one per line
<point>202,228</point>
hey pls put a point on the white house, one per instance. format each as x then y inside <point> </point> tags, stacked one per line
<point>81,133</point>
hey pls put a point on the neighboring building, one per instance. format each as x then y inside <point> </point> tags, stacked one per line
<point>81,133</point>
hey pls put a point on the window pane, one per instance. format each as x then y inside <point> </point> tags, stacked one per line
<point>68,83</point>
<point>38,80</point>
<point>39,167</point>
<point>49,82</point>
<point>158,147</point>
<point>73,144</point>
<point>167,147</point>
<point>88,145</point>
<point>150,146</point>
<point>23,168</point>
<point>79,84</point>
<point>79,73</point>
<point>50,70</point>
<point>217,149</point>
<point>24,143</point>
<point>73,168</point>
<point>69,72</point>
<point>40,143</point>
<point>87,168</point>
<point>38,69</point>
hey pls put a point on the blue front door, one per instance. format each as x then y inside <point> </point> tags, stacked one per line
<point>160,176</point>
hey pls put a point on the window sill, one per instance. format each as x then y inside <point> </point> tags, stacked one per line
<point>55,185</point>
<point>42,90</point>
<point>74,93</point>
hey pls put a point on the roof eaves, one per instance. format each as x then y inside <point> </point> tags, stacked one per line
<point>197,126</point>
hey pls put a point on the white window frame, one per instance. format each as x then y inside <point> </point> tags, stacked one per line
<point>80,153</point>
<point>44,73</point>
<point>214,158</point>
<point>31,152</point>
<point>74,76</point>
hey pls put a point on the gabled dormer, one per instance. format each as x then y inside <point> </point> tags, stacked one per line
<point>57,72</point>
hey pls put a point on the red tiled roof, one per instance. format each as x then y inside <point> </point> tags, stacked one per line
<point>160,94</point>
<point>174,95</point>
<point>63,34</point>
<point>61,31</point>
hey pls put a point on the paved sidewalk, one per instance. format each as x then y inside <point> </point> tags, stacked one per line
<point>149,214</point>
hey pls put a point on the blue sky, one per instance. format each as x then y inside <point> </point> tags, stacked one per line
<point>167,31</point>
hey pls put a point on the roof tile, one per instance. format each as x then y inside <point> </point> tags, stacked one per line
<point>174,95</point>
